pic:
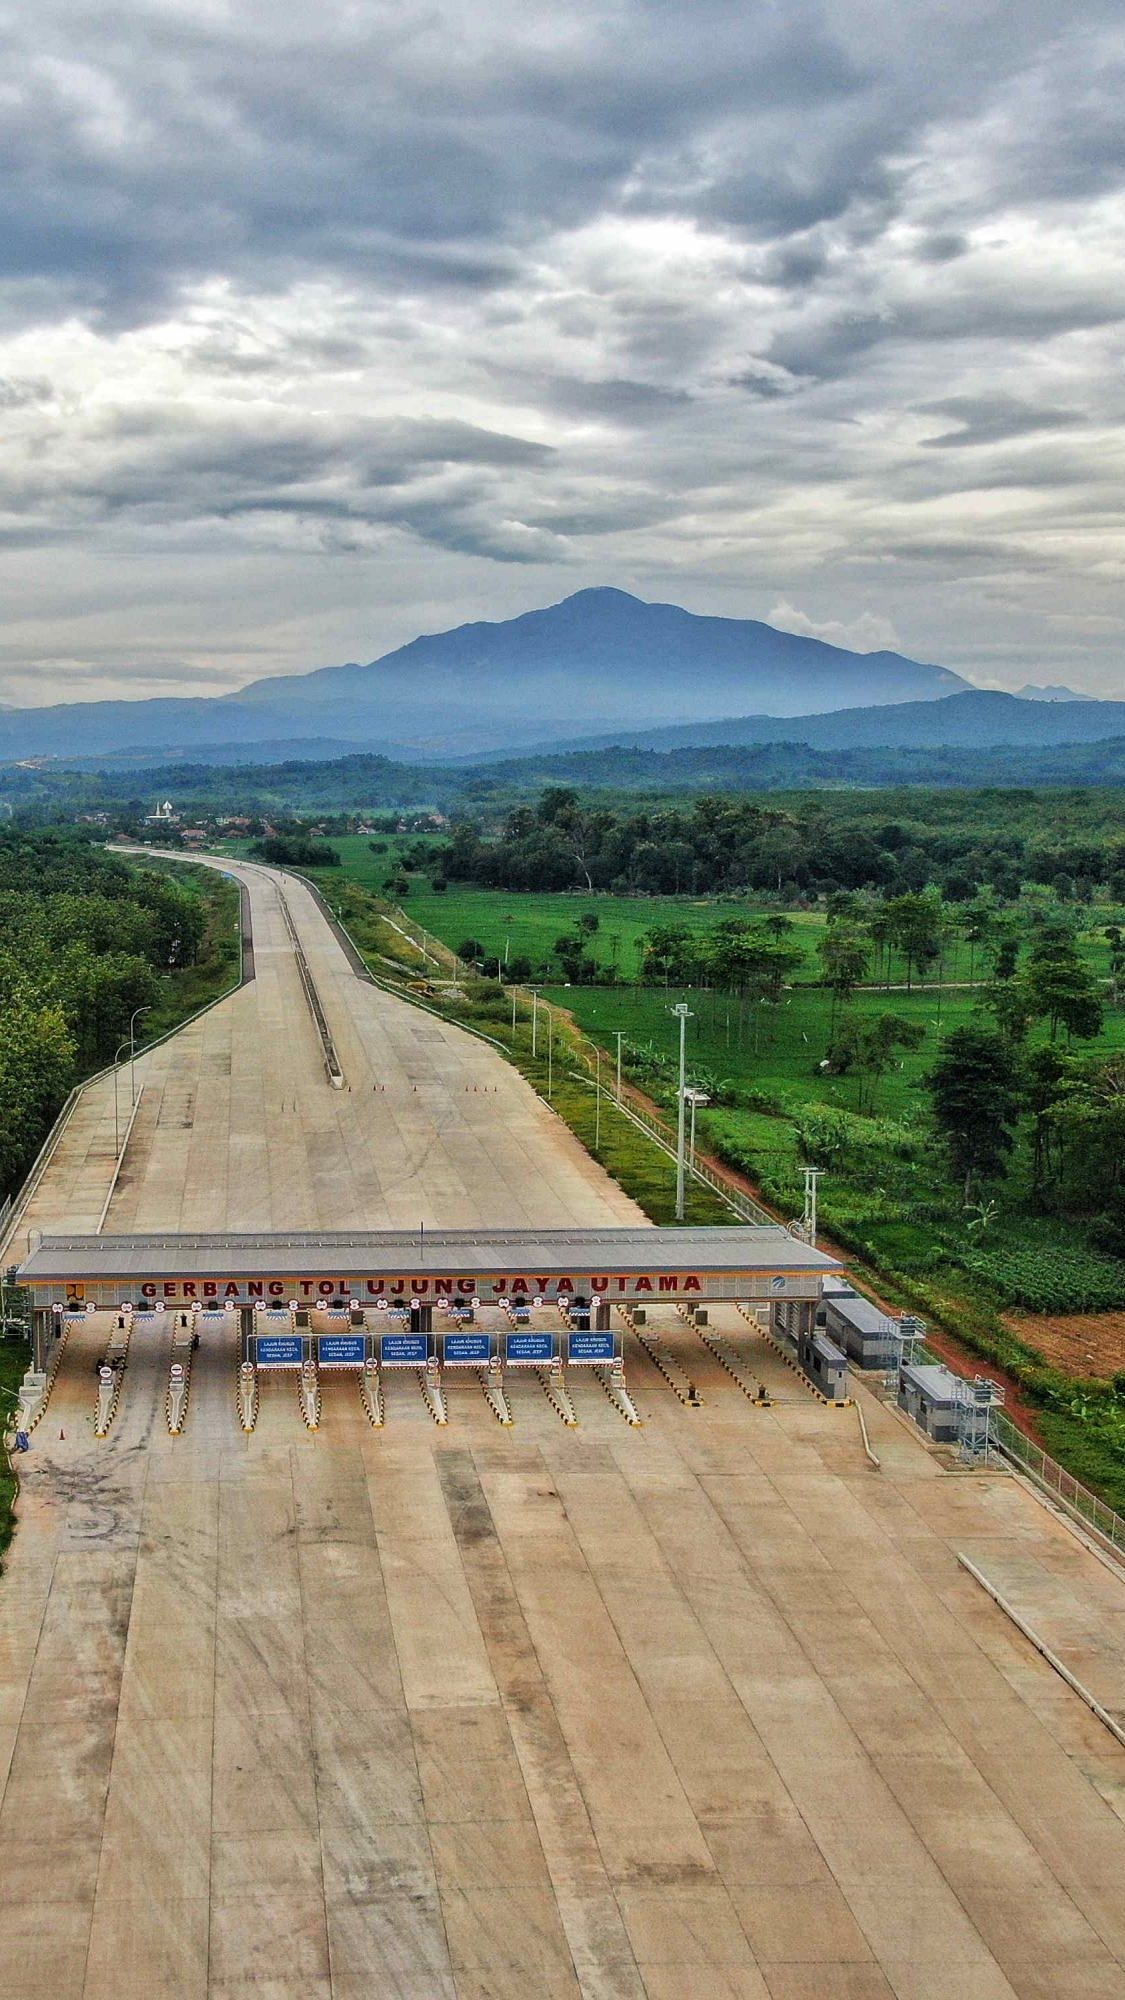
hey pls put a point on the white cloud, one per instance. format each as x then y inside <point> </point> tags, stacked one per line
<point>866,634</point>
<point>315,336</point>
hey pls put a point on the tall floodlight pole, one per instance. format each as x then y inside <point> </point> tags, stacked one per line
<point>534,1022</point>
<point>619,1034</point>
<point>597,1098</point>
<point>681,1011</point>
<point>136,1014</point>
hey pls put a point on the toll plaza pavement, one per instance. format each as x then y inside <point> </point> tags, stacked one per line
<point>706,1708</point>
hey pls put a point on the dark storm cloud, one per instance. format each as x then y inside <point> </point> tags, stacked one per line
<point>147,146</point>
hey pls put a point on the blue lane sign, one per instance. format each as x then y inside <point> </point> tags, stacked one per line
<point>404,1350</point>
<point>279,1350</point>
<point>589,1347</point>
<point>466,1350</point>
<point>533,1347</point>
<point>341,1350</point>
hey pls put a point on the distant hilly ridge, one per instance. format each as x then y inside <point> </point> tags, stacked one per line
<point>595,662</point>
<point>977,718</point>
<point>577,676</point>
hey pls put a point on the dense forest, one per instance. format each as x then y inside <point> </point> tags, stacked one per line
<point>84,941</point>
<point>793,851</point>
<point>364,781</point>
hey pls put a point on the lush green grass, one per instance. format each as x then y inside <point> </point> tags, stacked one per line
<point>526,924</point>
<point>777,1050</point>
<point>14,1359</point>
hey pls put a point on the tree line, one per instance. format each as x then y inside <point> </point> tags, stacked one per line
<point>84,941</point>
<point>795,852</point>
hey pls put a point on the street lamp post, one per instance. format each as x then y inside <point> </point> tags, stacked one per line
<point>116,1125</point>
<point>536,1003</point>
<point>682,1011</point>
<point>812,1175</point>
<point>134,1018</point>
<point>619,1034</point>
<point>695,1098</point>
<point>597,1098</point>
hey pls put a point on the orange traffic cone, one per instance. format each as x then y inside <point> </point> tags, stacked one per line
<point>62,1437</point>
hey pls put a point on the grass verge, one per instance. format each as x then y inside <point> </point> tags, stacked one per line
<point>15,1357</point>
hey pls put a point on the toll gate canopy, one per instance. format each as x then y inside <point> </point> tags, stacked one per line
<point>747,1265</point>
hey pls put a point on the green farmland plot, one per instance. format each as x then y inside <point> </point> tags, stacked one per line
<point>529,924</point>
<point>526,924</point>
<point>777,1050</point>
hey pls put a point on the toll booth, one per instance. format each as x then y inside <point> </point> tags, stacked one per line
<point>825,1364</point>
<point>931,1395</point>
<point>859,1328</point>
<point>335,1281</point>
<point>833,1286</point>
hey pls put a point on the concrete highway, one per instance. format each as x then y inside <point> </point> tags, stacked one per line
<point>701,1711</point>
<point>237,1129</point>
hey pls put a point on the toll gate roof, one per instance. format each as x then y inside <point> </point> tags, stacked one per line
<point>711,1252</point>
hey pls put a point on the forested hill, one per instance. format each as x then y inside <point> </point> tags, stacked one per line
<point>367,782</point>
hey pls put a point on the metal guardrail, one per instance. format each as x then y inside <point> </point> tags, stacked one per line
<point>1062,1486</point>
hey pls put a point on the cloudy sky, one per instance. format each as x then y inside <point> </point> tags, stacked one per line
<point>322,326</point>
